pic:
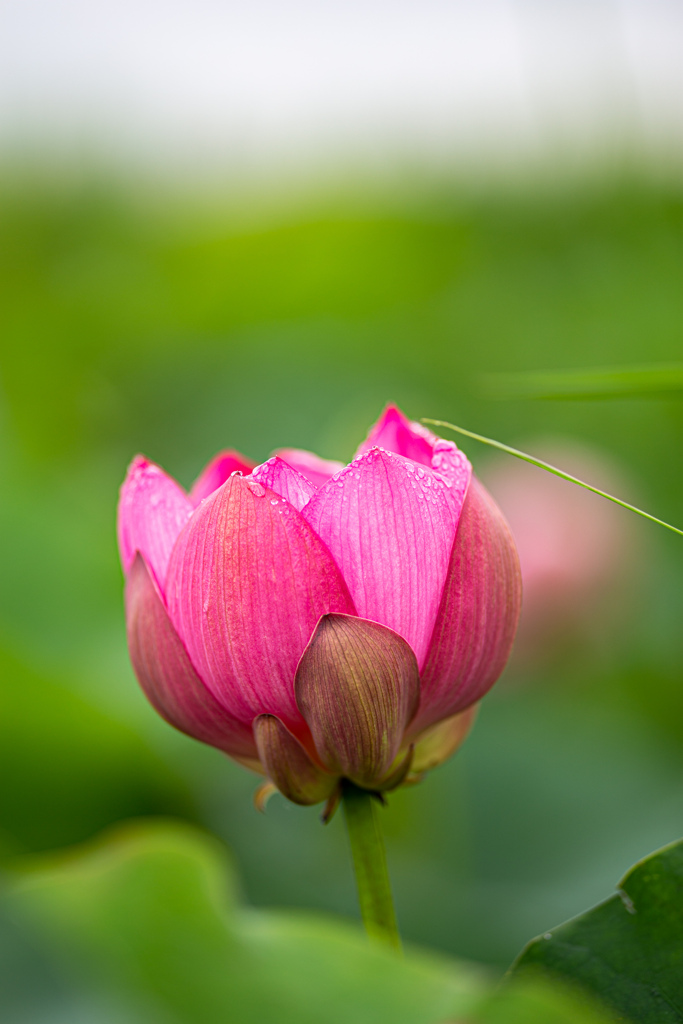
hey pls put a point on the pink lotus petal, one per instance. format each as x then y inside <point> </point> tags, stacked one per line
<point>152,511</point>
<point>390,526</point>
<point>247,582</point>
<point>315,469</point>
<point>167,675</point>
<point>396,433</point>
<point>478,614</point>
<point>277,476</point>
<point>217,472</point>
<point>357,686</point>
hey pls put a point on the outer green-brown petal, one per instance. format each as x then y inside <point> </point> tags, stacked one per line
<point>288,765</point>
<point>436,744</point>
<point>357,686</point>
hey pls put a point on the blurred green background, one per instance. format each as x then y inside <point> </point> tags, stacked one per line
<point>176,323</point>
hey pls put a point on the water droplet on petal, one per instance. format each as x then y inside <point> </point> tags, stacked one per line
<point>273,501</point>
<point>256,489</point>
<point>236,472</point>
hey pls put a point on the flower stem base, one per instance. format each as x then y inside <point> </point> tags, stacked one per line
<point>361,810</point>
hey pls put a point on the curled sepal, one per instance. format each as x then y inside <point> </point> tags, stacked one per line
<point>287,764</point>
<point>357,686</point>
<point>436,744</point>
<point>263,795</point>
<point>333,801</point>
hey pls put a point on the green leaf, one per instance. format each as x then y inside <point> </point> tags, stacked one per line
<point>70,769</point>
<point>607,382</point>
<point>152,913</point>
<point>629,949</point>
<point>535,1000</point>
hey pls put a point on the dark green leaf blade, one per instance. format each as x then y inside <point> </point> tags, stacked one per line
<point>604,382</point>
<point>629,949</point>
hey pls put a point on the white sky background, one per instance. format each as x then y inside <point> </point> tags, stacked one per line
<point>278,83</point>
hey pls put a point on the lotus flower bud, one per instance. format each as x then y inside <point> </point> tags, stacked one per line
<point>320,622</point>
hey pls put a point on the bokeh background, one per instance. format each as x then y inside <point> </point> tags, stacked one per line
<point>252,226</point>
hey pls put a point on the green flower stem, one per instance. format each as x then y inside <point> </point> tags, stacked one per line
<point>361,810</point>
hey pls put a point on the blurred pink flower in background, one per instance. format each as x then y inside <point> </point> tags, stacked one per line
<point>575,548</point>
<point>318,621</point>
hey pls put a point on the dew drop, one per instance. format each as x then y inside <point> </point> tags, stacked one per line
<point>273,501</point>
<point>420,471</point>
<point>256,489</point>
<point>236,472</point>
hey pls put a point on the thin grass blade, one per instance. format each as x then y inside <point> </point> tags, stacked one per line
<point>550,469</point>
